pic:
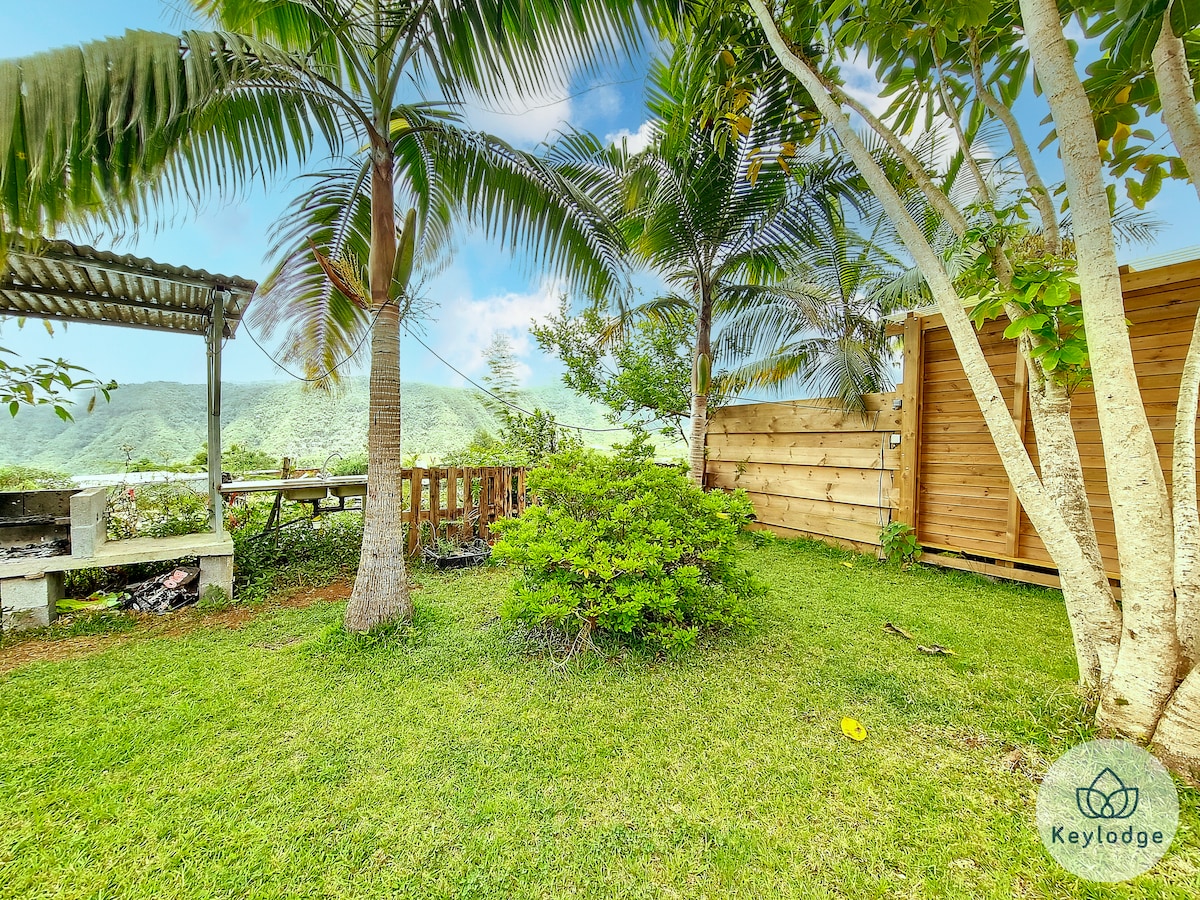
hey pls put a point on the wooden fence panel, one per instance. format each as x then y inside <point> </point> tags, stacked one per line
<point>967,505</point>
<point>459,504</point>
<point>813,469</point>
<point>810,467</point>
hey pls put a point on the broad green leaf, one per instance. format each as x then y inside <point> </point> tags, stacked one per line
<point>1025,323</point>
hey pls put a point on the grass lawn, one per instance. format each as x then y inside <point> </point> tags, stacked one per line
<point>283,758</point>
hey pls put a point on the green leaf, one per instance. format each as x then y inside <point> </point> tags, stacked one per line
<point>1057,294</point>
<point>1025,323</point>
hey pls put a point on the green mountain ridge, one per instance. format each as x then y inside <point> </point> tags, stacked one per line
<point>166,422</point>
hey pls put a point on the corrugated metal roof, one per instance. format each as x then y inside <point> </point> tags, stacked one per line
<point>73,282</point>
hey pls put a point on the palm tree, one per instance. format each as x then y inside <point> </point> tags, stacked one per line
<point>720,208</point>
<point>828,332</point>
<point>119,123</point>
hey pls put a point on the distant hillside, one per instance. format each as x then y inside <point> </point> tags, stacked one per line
<point>165,422</point>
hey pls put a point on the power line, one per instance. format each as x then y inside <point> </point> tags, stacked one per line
<point>498,398</point>
<point>331,369</point>
<point>408,331</point>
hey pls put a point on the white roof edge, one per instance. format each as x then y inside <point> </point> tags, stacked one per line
<point>1158,261</point>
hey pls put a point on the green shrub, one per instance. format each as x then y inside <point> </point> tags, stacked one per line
<point>899,542</point>
<point>354,464</point>
<point>622,546</point>
<point>238,459</point>
<point>311,553</point>
<point>156,509</point>
<point>28,478</point>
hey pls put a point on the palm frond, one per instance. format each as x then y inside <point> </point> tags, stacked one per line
<point>109,129</point>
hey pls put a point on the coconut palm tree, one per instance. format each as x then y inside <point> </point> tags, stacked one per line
<point>828,331</point>
<point>120,124</point>
<point>720,208</point>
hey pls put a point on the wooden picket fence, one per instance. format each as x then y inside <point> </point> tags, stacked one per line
<point>459,504</point>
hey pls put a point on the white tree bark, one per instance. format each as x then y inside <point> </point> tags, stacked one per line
<point>1144,677</point>
<point>1039,505</point>
<point>935,195</point>
<point>1096,620</point>
<point>1177,95</point>
<point>1041,196</point>
<point>985,189</point>
<point>1178,98</point>
<point>1187,518</point>
<point>1177,739</point>
<point>1097,626</point>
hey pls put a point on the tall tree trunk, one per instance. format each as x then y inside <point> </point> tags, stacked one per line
<point>381,586</point>
<point>1095,617</point>
<point>1177,738</point>
<point>1187,517</point>
<point>1037,187</point>
<point>701,385</point>
<point>1144,677</point>
<point>1043,512</point>
<point>1178,98</point>
<point>1177,95</point>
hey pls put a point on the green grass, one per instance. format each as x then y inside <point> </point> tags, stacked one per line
<point>73,625</point>
<point>288,759</point>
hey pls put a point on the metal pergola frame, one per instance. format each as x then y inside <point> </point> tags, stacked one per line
<point>68,282</point>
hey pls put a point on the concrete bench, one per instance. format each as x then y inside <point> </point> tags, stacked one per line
<point>31,588</point>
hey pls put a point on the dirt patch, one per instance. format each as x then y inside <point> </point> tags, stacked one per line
<point>177,624</point>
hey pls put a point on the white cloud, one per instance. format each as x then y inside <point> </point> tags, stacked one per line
<point>524,119</point>
<point>601,101</point>
<point>635,141</point>
<point>476,322</point>
<point>861,83</point>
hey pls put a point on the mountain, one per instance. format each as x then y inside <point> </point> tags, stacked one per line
<point>166,422</point>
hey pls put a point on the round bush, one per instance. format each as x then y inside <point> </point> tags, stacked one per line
<point>617,544</point>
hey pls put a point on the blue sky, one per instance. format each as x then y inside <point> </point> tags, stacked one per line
<point>484,290</point>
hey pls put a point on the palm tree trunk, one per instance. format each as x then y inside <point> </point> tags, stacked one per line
<point>701,385</point>
<point>381,585</point>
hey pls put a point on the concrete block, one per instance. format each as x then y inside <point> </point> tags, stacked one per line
<point>30,602</point>
<point>216,571</point>
<point>89,528</point>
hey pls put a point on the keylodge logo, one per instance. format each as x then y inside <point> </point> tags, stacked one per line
<point>1107,797</point>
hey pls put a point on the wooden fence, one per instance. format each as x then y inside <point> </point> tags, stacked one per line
<point>456,504</point>
<point>460,504</point>
<point>810,467</point>
<point>949,483</point>
<point>953,488</point>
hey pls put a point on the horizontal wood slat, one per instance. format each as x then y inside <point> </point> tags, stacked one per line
<point>812,469</point>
